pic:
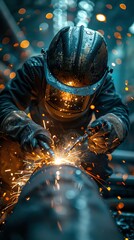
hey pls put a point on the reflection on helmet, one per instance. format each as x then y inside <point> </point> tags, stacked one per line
<point>75,68</point>
<point>64,101</point>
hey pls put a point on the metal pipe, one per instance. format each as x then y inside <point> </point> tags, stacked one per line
<point>119,155</point>
<point>128,180</point>
<point>60,202</point>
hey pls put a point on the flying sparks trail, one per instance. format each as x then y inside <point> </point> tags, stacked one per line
<point>32,163</point>
<point>35,161</point>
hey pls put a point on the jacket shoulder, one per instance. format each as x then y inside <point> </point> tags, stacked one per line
<point>35,61</point>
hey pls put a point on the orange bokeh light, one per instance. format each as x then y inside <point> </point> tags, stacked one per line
<point>49,15</point>
<point>2,86</point>
<point>16,44</point>
<point>24,44</point>
<point>123,6</point>
<point>101,17</point>
<point>92,107</point>
<point>120,205</point>
<point>117,35</point>
<point>109,6</point>
<point>5,40</point>
<point>6,57</point>
<point>12,75</point>
<point>22,11</point>
<point>6,72</point>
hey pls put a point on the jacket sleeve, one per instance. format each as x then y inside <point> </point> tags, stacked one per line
<point>110,104</point>
<point>22,89</point>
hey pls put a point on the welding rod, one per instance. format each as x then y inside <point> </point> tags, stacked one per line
<point>78,140</point>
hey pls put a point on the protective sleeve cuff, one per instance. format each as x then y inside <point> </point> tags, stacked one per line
<point>118,125</point>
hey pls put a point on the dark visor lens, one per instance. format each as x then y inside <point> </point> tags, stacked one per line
<point>64,101</point>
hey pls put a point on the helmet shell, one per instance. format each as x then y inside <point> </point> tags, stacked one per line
<point>78,55</point>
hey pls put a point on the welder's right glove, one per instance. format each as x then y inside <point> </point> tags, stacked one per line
<point>105,134</point>
<point>29,134</point>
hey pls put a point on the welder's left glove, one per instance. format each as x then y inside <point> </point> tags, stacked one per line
<point>105,134</point>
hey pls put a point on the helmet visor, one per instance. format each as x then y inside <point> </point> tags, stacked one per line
<point>64,101</point>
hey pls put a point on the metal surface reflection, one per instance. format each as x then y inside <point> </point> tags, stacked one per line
<point>60,202</point>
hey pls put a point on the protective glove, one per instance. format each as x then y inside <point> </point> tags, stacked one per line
<point>34,136</point>
<point>29,134</point>
<point>105,134</point>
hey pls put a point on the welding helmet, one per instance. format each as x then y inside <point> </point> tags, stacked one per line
<point>75,69</point>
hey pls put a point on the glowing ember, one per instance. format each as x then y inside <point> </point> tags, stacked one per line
<point>63,158</point>
<point>109,188</point>
<point>101,17</point>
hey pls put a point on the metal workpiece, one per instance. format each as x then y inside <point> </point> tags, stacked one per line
<point>61,202</point>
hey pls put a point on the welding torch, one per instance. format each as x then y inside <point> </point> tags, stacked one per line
<point>80,139</point>
<point>88,133</point>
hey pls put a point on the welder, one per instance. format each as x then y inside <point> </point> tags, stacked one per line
<point>66,89</point>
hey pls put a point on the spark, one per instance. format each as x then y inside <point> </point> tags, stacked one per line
<point>123,6</point>
<point>119,197</point>
<point>58,160</point>
<point>49,15</point>
<point>120,205</point>
<point>92,106</point>
<point>125,176</point>
<point>109,188</point>
<point>119,212</point>
<point>24,44</point>
<point>44,124</point>
<point>100,180</point>
<point>101,17</point>
<point>126,88</point>
<point>32,163</point>
<point>12,75</point>
<point>28,198</point>
<point>35,161</point>
<point>22,11</point>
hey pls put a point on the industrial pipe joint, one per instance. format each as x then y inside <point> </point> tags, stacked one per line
<point>60,202</point>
